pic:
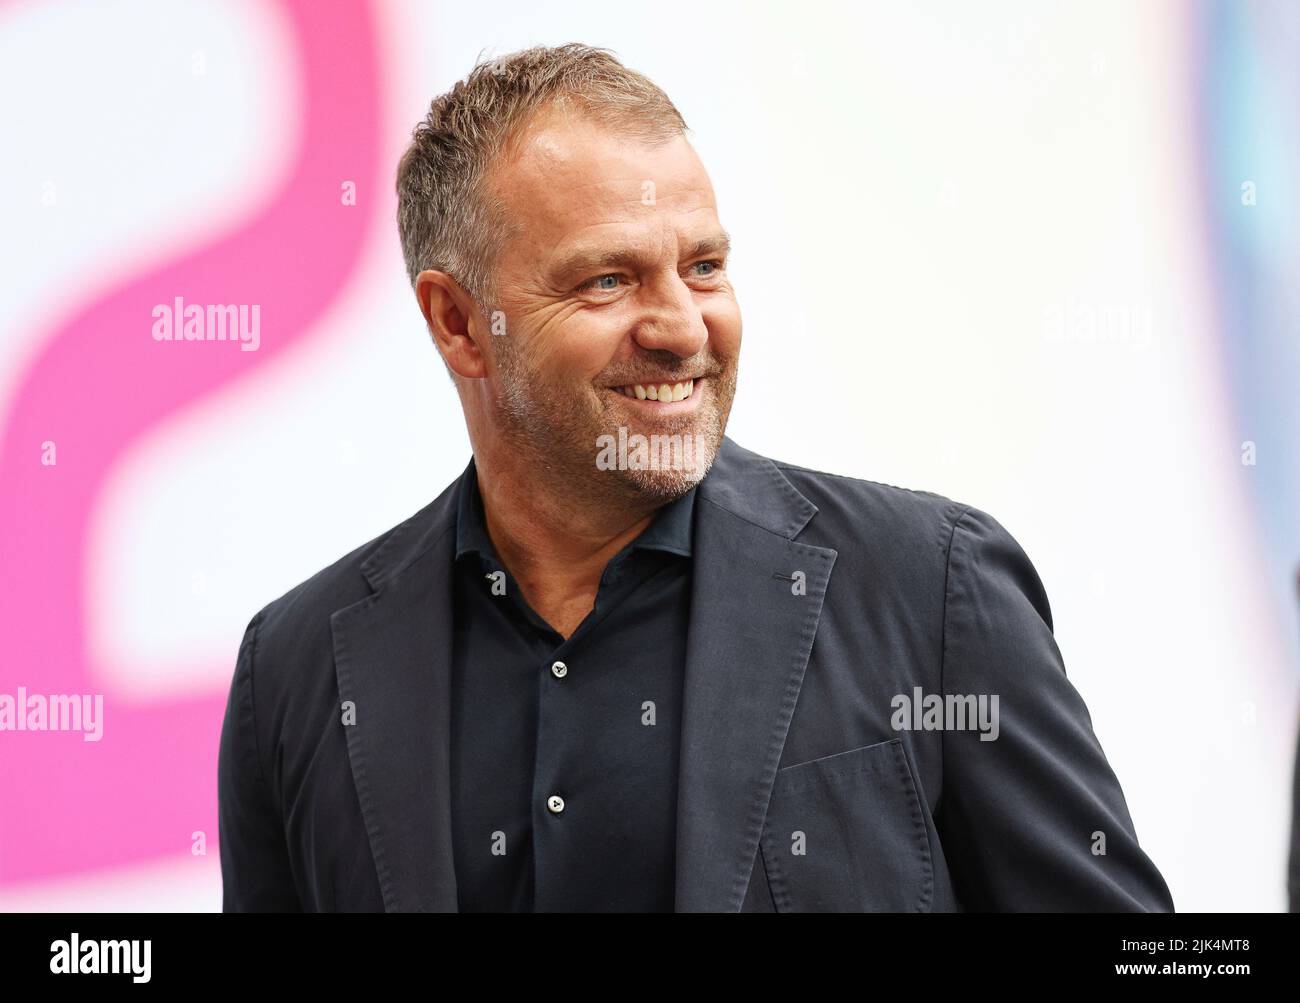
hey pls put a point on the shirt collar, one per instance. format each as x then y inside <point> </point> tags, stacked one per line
<point>670,530</point>
<point>471,525</point>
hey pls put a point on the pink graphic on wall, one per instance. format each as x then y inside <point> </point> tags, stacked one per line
<point>100,382</point>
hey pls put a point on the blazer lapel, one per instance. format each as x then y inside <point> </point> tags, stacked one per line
<point>392,655</point>
<point>750,636</point>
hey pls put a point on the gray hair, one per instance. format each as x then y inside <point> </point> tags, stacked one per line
<point>448,218</point>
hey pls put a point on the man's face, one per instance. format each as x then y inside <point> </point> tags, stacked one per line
<point>616,277</point>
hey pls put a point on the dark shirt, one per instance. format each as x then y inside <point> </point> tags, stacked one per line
<point>601,732</point>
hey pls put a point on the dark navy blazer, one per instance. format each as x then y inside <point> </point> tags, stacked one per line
<point>818,602</point>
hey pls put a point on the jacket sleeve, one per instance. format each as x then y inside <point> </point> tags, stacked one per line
<point>1024,818</point>
<point>255,871</point>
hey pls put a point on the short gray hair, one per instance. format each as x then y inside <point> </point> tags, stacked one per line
<point>447,217</point>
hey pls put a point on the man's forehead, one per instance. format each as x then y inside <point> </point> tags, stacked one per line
<point>568,168</point>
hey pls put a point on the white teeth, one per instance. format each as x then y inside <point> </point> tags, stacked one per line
<point>659,391</point>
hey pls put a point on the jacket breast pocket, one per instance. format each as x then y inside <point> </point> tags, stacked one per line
<point>847,833</point>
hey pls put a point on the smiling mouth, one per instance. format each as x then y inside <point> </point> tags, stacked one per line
<point>663,392</point>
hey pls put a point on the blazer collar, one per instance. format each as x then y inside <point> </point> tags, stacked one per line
<point>747,647</point>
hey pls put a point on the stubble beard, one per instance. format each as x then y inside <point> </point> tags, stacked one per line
<point>558,434</point>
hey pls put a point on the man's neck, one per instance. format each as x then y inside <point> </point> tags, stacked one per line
<point>554,545</point>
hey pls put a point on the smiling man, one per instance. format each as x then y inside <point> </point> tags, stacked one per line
<point>622,663</point>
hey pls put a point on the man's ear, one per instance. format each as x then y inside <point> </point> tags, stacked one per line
<point>455,322</point>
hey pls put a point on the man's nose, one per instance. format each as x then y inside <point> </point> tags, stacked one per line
<point>672,321</point>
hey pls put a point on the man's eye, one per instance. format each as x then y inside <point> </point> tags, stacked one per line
<point>715,266</point>
<point>600,283</point>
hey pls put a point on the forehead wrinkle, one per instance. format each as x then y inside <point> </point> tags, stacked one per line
<point>568,212</point>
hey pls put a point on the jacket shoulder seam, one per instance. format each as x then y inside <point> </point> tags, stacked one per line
<point>943,636</point>
<point>860,480</point>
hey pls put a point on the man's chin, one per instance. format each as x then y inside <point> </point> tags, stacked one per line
<point>657,462</point>
<point>661,485</point>
<point>668,482</point>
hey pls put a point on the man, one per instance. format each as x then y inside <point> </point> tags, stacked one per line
<point>622,663</point>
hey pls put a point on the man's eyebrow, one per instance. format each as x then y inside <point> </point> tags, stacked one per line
<point>587,259</point>
<point>718,245</point>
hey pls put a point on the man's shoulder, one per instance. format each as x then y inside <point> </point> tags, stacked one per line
<point>302,613</point>
<point>855,508</point>
<point>884,530</point>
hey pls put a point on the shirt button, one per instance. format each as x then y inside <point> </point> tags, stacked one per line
<point>559,670</point>
<point>555,803</point>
